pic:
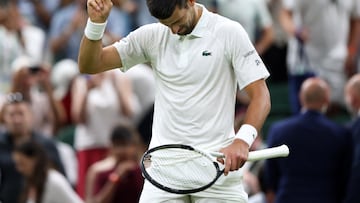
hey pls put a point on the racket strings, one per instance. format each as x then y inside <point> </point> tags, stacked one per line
<point>182,169</point>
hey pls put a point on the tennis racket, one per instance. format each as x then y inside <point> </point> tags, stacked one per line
<point>183,169</point>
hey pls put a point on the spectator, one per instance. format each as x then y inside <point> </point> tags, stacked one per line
<point>42,184</point>
<point>95,117</point>
<point>119,23</point>
<point>17,116</point>
<point>66,30</point>
<point>117,178</point>
<point>32,38</point>
<point>275,56</point>
<point>329,56</point>
<point>63,75</point>
<point>10,44</point>
<point>352,95</point>
<point>32,80</point>
<point>320,152</point>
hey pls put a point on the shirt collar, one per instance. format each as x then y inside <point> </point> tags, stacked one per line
<point>200,28</point>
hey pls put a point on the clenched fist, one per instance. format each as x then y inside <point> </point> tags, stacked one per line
<point>99,10</point>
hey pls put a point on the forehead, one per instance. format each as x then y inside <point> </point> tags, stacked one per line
<point>176,16</point>
<point>20,106</point>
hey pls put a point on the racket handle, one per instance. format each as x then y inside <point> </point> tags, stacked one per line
<point>217,154</point>
<point>272,152</point>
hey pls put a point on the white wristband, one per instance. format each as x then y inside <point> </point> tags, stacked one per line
<point>247,133</point>
<point>94,31</point>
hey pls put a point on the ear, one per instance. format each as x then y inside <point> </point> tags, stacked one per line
<point>355,102</point>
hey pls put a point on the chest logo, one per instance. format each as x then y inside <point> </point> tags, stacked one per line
<point>206,53</point>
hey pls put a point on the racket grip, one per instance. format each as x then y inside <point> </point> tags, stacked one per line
<point>272,152</point>
<point>217,154</point>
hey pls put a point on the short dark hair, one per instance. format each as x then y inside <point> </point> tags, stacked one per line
<point>124,133</point>
<point>162,9</point>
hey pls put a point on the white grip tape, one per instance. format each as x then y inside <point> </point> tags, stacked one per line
<point>94,31</point>
<point>247,133</point>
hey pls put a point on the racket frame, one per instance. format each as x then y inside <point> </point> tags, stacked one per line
<point>268,153</point>
<point>172,190</point>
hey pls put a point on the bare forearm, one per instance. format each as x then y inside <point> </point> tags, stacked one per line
<point>79,108</point>
<point>286,21</point>
<point>106,194</point>
<point>89,56</point>
<point>258,108</point>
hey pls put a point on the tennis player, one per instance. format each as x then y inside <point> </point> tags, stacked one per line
<point>198,59</point>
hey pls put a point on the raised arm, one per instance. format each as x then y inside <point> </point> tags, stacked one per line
<point>93,58</point>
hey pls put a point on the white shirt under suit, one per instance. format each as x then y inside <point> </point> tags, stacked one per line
<point>195,78</point>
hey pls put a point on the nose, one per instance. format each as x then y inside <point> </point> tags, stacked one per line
<point>18,119</point>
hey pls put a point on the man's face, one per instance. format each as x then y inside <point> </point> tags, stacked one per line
<point>24,165</point>
<point>124,151</point>
<point>182,21</point>
<point>17,118</point>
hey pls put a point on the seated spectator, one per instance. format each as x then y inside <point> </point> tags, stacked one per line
<point>117,178</point>
<point>32,80</point>
<point>42,184</point>
<point>320,152</point>
<point>17,117</point>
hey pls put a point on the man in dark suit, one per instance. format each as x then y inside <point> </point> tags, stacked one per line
<point>352,95</point>
<point>320,152</point>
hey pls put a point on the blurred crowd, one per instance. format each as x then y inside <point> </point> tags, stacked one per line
<point>70,137</point>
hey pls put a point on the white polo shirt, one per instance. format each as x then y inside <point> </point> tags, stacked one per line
<point>195,78</point>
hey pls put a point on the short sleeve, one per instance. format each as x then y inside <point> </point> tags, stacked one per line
<point>247,64</point>
<point>134,48</point>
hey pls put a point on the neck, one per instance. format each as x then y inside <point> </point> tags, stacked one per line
<point>198,12</point>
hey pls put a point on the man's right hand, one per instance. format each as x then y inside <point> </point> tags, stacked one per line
<point>99,10</point>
